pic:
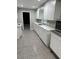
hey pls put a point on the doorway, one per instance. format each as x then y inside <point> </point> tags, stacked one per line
<point>26,19</point>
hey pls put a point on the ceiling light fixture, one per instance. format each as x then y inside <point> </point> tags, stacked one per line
<point>21,5</point>
<point>33,6</point>
<point>39,0</point>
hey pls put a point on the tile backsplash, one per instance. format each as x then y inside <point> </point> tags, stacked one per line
<point>50,23</point>
<point>39,20</point>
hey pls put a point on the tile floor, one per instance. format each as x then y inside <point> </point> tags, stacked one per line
<point>30,47</point>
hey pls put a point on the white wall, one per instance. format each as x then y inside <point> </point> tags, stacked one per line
<point>32,16</point>
<point>19,15</point>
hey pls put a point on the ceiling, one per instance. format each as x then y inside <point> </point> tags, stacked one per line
<point>30,4</point>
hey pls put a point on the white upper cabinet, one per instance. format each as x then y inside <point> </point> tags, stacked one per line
<point>37,13</point>
<point>49,10</point>
<point>40,13</point>
<point>57,15</point>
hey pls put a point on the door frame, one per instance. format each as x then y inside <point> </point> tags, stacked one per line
<point>29,14</point>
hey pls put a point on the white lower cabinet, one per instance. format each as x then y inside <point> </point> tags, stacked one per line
<point>50,39</point>
<point>55,44</point>
<point>43,34</point>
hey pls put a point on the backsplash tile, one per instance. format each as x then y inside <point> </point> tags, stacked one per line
<point>50,23</point>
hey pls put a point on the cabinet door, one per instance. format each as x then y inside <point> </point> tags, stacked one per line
<point>55,44</point>
<point>44,35</point>
<point>49,9</point>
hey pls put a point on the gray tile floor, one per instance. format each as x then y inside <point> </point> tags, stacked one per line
<point>31,47</point>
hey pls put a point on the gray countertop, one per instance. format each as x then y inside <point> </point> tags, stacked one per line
<point>48,28</point>
<point>56,32</point>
